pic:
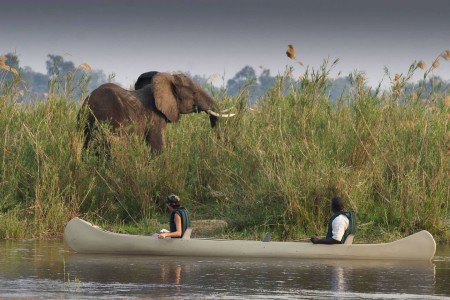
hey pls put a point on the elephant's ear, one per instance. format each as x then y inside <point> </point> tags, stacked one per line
<point>165,100</point>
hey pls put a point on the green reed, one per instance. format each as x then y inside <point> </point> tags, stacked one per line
<point>270,168</point>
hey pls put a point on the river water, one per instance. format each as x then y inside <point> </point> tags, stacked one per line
<point>50,270</point>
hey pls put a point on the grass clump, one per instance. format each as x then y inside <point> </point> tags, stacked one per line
<point>271,168</point>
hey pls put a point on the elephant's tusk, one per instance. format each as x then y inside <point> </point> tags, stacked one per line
<point>213,113</point>
<point>225,110</point>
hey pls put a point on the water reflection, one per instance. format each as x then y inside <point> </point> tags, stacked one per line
<point>220,276</point>
<point>339,284</point>
<point>35,259</point>
<point>171,274</point>
<point>47,269</point>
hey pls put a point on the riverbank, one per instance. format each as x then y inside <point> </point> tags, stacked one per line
<point>271,168</point>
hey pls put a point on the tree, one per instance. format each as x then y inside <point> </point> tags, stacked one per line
<point>57,66</point>
<point>265,80</point>
<point>12,60</point>
<point>240,80</point>
<point>71,81</point>
<point>338,87</point>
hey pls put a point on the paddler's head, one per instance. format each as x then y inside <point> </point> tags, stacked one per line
<point>337,204</point>
<point>173,201</point>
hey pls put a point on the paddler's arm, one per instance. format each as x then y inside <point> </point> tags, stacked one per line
<point>328,241</point>
<point>174,234</point>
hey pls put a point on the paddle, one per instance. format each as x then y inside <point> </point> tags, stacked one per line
<point>267,237</point>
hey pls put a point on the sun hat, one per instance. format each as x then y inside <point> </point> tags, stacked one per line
<point>173,200</point>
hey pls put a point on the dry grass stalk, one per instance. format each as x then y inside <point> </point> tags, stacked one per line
<point>85,66</point>
<point>409,124</point>
<point>435,64</point>
<point>447,101</point>
<point>421,64</point>
<point>5,67</point>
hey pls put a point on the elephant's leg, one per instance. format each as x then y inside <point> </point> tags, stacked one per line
<point>155,139</point>
<point>85,123</point>
<point>100,144</point>
<point>96,139</point>
<point>87,134</point>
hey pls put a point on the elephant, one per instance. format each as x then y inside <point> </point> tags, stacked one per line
<point>159,98</point>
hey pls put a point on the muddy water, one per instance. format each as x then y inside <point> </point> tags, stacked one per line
<point>48,270</point>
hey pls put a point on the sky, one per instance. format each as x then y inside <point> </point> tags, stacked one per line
<point>217,38</point>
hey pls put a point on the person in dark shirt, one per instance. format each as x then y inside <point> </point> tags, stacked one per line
<point>179,219</point>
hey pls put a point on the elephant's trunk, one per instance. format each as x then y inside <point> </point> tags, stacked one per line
<point>209,105</point>
<point>212,120</point>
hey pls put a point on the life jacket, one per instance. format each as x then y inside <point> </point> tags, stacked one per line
<point>185,220</point>
<point>351,229</point>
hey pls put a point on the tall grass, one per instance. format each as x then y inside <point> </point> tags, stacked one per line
<point>271,168</point>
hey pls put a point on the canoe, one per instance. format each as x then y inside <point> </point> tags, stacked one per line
<point>84,237</point>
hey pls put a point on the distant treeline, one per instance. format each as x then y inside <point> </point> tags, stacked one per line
<point>75,82</point>
<point>61,76</point>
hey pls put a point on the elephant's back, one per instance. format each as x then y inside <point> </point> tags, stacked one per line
<point>106,95</point>
<point>108,87</point>
<point>113,103</point>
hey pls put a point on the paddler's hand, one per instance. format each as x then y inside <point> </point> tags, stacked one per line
<point>162,236</point>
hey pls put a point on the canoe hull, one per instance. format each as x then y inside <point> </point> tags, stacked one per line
<point>83,237</point>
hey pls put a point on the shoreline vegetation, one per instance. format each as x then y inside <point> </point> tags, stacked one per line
<point>271,168</point>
